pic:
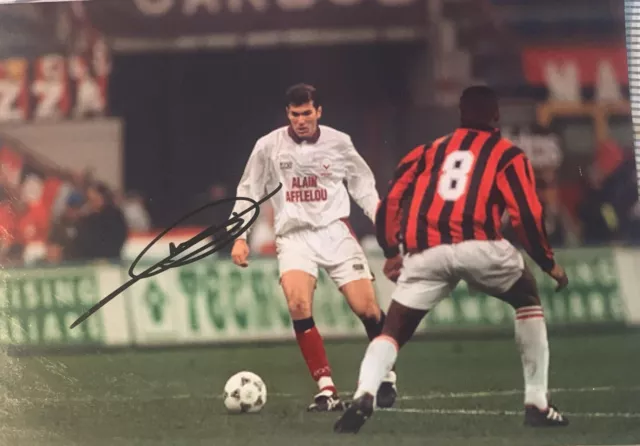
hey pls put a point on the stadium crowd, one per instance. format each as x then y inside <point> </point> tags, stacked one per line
<point>601,207</point>
<point>87,221</point>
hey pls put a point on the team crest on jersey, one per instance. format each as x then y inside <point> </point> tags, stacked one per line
<point>325,168</point>
<point>285,165</point>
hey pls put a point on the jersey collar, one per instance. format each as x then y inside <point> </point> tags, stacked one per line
<point>481,127</point>
<point>312,139</point>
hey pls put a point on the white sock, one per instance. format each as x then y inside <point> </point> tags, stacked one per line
<point>326,383</point>
<point>390,377</point>
<point>531,337</point>
<point>377,363</point>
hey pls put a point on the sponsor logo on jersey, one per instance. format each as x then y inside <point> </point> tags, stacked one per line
<point>324,172</point>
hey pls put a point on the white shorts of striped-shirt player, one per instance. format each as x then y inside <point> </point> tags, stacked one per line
<point>427,277</point>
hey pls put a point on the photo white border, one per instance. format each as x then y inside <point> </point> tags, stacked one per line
<point>632,20</point>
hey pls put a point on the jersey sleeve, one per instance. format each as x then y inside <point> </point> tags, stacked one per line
<point>253,181</point>
<point>389,215</point>
<point>361,183</point>
<point>516,183</point>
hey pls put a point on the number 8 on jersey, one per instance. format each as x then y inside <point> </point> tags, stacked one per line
<point>455,174</point>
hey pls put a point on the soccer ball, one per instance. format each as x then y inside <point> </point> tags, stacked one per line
<point>245,392</point>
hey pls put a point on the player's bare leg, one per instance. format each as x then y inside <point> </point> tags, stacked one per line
<point>531,338</point>
<point>399,327</point>
<point>298,287</point>
<point>360,295</point>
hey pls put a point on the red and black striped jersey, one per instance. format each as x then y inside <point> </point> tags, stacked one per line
<point>456,189</point>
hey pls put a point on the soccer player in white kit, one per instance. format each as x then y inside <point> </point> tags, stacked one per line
<point>312,162</point>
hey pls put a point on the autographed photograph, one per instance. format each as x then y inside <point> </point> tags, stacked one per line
<point>269,222</point>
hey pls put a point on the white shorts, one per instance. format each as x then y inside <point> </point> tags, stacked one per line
<point>426,278</point>
<point>333,248</point>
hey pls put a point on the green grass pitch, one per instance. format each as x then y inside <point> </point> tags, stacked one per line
<point>452,392</point>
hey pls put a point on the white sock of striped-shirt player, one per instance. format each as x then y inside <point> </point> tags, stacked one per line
<point>378,361</point>
<point>531,338</point>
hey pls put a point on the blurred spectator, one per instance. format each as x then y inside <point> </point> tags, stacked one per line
<point>21,223</point>
<point>32,224</point>
<point>102,230</point>
<point>560,227</point>
<point>619,197</point>
<point>7,216</point>
<point>595,229</point>
<point>262,238</point>
<point>212,215</point>
<point>608,157</point>
<point>62,243</point>
<point>60,203</point>
<point>607,212</point>
<point>73,182</point>
<point>7,230</point>
<point>135,212</point>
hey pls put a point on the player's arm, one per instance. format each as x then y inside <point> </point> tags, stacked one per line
<point>388,216</point>
<point>252,183</point>
<point>516,183</point>
<point>361,183</point>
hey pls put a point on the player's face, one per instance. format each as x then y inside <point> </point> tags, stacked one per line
<point>96,201</point>
<point>304,119</point>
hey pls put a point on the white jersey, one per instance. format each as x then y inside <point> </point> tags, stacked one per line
<point>313,194</point>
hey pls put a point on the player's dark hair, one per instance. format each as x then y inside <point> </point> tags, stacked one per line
<point>301,94</point>
<point>105,191</point>
<point>478,106</point>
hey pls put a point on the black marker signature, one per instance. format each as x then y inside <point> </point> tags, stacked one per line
<point>221,235</point>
